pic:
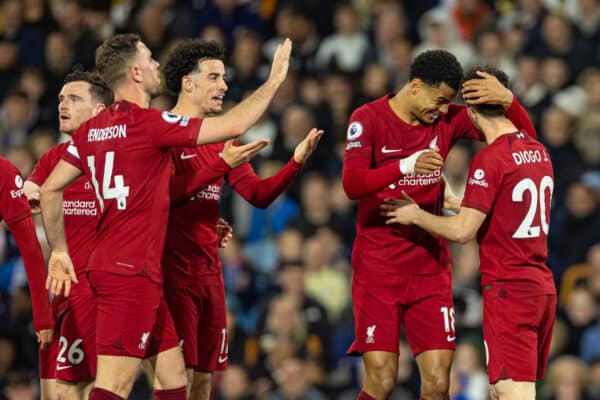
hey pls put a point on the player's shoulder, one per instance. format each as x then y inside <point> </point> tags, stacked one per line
<point>7,167</point>
<point>371,108</point>
<point>10,173</point>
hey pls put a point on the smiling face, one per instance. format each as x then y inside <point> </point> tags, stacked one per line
<point>207,86</point>
<point>429,102</point>
<point>76,105</point>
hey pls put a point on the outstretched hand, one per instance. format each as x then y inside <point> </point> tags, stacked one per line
<point>235,156</point>
<point>487,90</point>
<point>307,146</point>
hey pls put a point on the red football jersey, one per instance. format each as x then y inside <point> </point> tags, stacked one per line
<point>191,249</point>
<point>80,208</point>
<point>191,246</point>
<point>125,153</point>
<point>13,204</point>
<point>378,137</point>
<point>511,180</point>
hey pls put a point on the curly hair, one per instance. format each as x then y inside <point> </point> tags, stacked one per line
<point>435,67</point>
<point>489,110</point>
<point>184,59</point>
<point>113,56</point>
<point>98,88</point>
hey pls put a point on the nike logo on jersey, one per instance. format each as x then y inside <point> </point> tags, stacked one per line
<point>222,359</point>
<point>186,156</point>
<point>450,338</point>
<point>61,367</point>
<point>385,150</point>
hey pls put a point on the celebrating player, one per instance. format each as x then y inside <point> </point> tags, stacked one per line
<point>72,357</point>
<point>124,152</point>
<point>507,205</point>
<point>193,282</point>
<point>401,274</point>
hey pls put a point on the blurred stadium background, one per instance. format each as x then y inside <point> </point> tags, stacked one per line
<point>287,270</point>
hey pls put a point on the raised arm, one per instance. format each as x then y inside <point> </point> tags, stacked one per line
<point>240,118</point>
<point>262,192</point>
<point>183,186</point>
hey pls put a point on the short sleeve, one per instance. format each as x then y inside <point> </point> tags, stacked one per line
<point>484,182</point>
<point>359,135</point>
<point>13,204</point>
<point>42,170</point>
<point>71,155</point>
<point>170,129</point>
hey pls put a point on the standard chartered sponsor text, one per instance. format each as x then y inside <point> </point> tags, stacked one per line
<point>110,132</point>
<point>79,207</point>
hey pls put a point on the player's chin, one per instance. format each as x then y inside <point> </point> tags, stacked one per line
<point>65,127</point>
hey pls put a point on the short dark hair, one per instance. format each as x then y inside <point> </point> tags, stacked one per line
<point>435,67</point>
<point>113,56</point>
<point>184,58</point>
<point>98,88</point>
<point>488,110</point>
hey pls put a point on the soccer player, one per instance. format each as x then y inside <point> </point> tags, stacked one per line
<point>401,275</point>
<point>507,205</point>
<point>193,281</point>
<point>72,358</point>
<point>124,152</point>
<point>82,96</point>
<point>15,212</point>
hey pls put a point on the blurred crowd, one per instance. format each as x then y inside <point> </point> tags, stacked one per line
<point>287,269</point>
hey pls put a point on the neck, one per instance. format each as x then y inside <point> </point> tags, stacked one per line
<point>186,107</point>
<point>400,105</point>
<point>133,94</point>
<point>495,127</point>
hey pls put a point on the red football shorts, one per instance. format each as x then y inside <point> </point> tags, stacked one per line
<point>132,318</point>
<point>421,303</point>
<point>200,318</point>
<point>517,331</point>
<point>72,354</point>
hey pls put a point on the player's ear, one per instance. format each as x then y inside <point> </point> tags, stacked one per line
<point>415,86</point>
<point>98,109</point>
<point>136,73</point>
<point>186,84</point>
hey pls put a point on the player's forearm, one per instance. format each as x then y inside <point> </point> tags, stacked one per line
<point>240,118</point>
<point>24,233</point>
<point>183,186</point>
<point>517,114</point>
<point>360,182</point>
<point>51,203</point>
<point>446,227</point>
<point>262,192</point>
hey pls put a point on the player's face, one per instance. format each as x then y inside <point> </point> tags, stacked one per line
<point>208,86</point>
<point>76,105</point>
<point>148,69</point>
<point>429,102</point>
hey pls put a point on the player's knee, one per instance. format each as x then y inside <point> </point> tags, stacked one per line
<point>201,386</point>
<point>435,384</point>
<point>383,378</point>
<point>69,391</point>
<point>170,370</point>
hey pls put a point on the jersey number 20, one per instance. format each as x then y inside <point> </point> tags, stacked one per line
<point>119,191</point>
<point>526,229</point>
